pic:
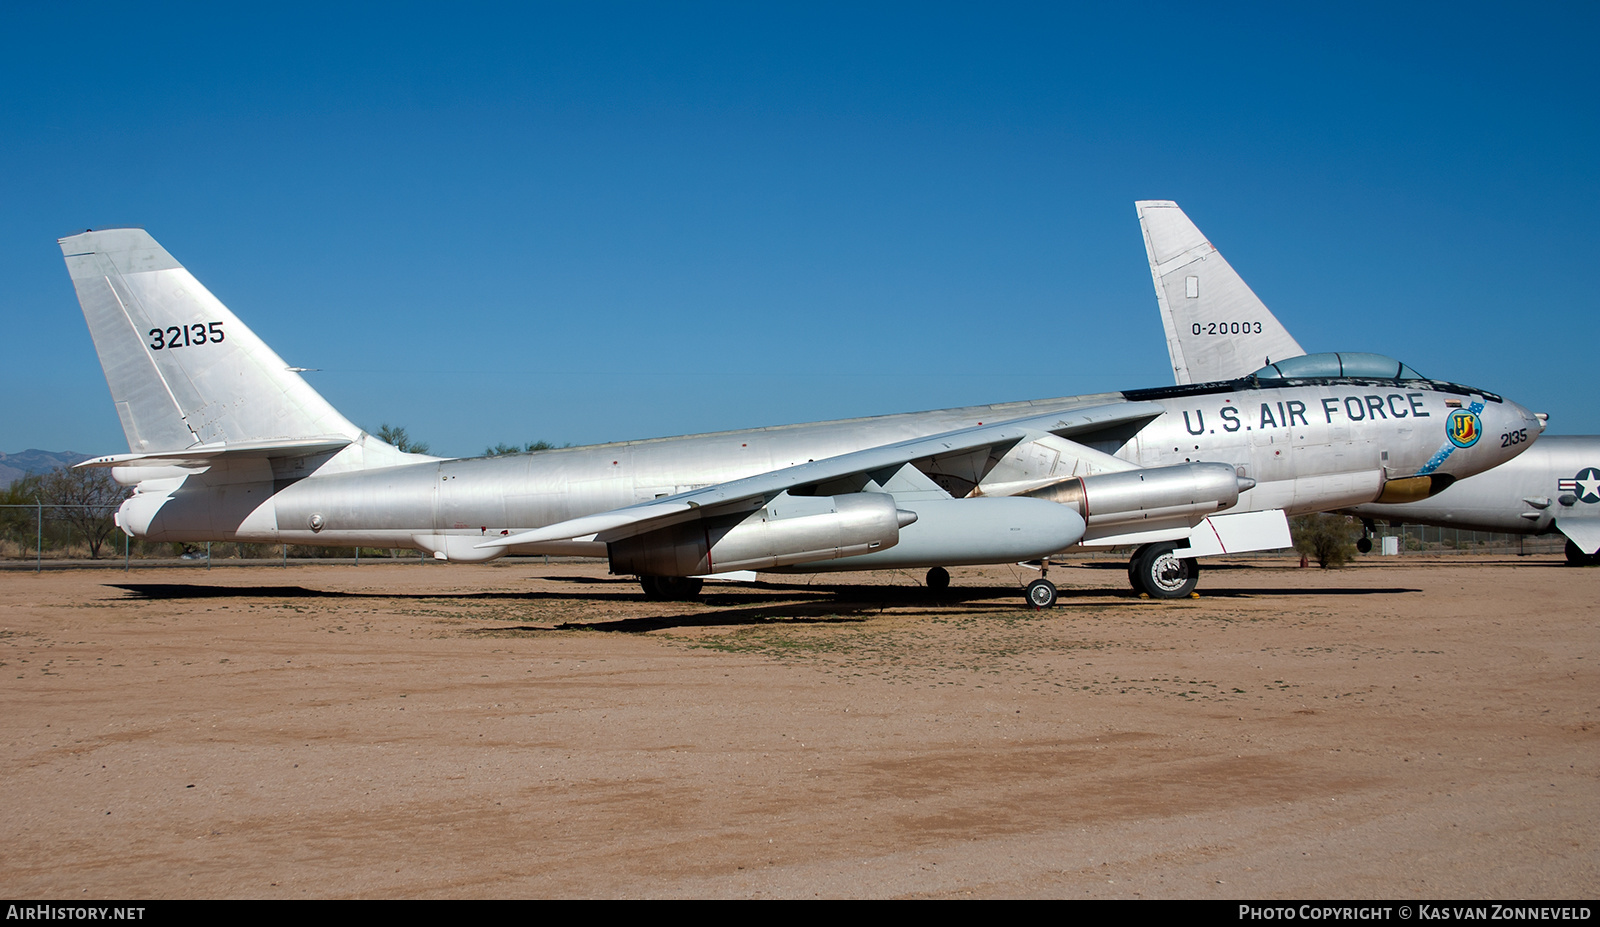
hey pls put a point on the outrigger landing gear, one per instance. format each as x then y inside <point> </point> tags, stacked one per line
<point>1155,572</point>
<point>1042,592</point>
<point>671,588</point>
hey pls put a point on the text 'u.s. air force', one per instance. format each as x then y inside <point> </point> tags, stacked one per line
<point>1287,414</point>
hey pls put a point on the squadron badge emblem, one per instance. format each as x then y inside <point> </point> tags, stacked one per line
<point>1462,428</point>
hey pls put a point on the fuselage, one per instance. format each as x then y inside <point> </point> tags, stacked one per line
<point>1557,478</point>
<point>1309,445</point>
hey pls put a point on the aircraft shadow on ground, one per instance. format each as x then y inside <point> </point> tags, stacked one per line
<point>758,595</point>
<point>753,605</point>
<point>1292,593</point>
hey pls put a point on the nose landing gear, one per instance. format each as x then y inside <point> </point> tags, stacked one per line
<point>1041,592</point>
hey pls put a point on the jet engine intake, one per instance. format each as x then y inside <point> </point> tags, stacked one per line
<point>789,529</point>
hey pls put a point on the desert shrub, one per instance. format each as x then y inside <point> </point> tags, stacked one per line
<point>1329,539</point>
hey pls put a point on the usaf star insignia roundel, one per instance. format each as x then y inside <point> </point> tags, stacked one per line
<point>1586,484</point>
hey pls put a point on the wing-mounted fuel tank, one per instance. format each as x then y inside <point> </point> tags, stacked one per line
<point>961,532</point>
<point>1177,495</point>
<point>789,529</point>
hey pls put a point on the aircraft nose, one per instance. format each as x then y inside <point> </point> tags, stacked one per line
<point>1511,429</point>
<point>1527,418</point>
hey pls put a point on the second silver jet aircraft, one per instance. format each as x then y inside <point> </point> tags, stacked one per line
<point>1218,329</point>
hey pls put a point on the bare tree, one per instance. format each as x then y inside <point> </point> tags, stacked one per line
<point>88,497</point>
<point>17,523</point>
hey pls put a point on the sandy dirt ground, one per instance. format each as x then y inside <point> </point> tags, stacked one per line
<point>1399,729</point>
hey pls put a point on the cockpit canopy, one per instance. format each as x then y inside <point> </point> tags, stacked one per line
<point>1338,365</point>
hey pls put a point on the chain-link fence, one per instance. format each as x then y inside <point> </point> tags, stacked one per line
<point>1420,539</point>
<point>45,533</point>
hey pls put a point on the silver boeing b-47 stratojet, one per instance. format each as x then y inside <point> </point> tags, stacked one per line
<point>228,443</point>
<point>1217,329</point>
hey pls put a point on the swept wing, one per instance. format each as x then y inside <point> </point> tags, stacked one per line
<point>753,492</point>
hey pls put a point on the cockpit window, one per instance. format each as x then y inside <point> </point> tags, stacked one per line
<point>1338,365</point>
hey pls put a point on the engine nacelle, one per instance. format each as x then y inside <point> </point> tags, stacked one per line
<point>790,529</point>
<point>1186,492</point>
<point>138,512</point>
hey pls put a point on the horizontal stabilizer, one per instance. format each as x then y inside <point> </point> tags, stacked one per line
<point>201,454</point>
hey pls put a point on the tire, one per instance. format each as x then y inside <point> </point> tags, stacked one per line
<point>671,588</point>
<point>1042,593</point>
<point>1364,545</point>
<point>938,579</point>
<point>1576,557</point>
<point>1158,574</point>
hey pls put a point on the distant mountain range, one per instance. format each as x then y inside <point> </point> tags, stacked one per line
<point>16,466</point>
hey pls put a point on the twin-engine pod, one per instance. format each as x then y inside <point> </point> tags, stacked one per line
<point>1180,493</point>
<point>790,529</point>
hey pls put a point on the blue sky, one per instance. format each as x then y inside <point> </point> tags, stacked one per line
<point>587,222</point>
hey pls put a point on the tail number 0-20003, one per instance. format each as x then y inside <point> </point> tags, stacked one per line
<point>1226,328</point>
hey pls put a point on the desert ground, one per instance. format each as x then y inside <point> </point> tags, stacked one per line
<point>1403,728</point>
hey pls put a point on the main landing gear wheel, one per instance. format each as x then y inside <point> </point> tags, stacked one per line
<point>1155,572</point>
<point>1577,557</point>
<point>938,579</point>
<point>671,588</point>
<point>1041,593</point>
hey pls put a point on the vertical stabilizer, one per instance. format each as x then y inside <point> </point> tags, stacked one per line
<point>183,370</point>
<point>1217,328</point>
